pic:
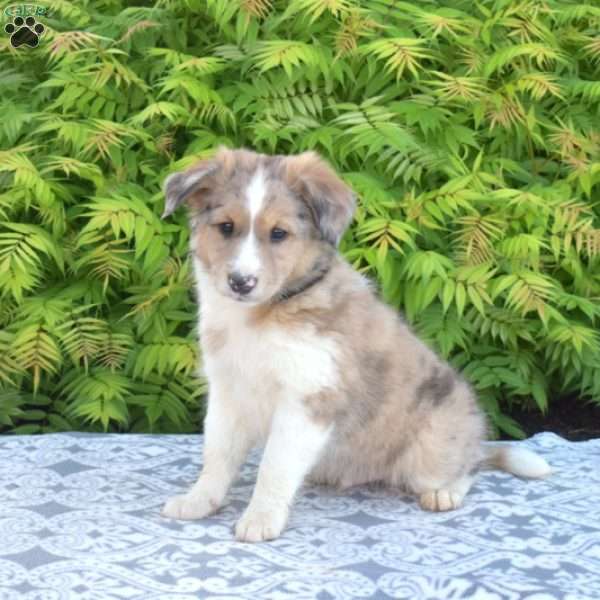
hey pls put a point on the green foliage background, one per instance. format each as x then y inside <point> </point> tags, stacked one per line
<point>470,131</point>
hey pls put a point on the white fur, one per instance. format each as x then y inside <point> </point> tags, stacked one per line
<point>248,260</point>
<point>294,445</point>
<point>519,461</point>
<point>254,401</point>
<point>256,193</point>
<point>226,444</point>
<point>304,360</point>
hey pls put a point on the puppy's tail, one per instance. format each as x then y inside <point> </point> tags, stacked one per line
<point>518,461</point>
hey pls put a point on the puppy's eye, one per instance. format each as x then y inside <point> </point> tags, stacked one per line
<point>278,234</point>
<point>226,228</point>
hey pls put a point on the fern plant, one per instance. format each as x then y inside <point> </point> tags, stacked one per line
<point>468,130</point>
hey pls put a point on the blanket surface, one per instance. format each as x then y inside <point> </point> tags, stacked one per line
<point>79,518</point>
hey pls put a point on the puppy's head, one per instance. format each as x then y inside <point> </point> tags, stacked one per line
<point>262,225</point>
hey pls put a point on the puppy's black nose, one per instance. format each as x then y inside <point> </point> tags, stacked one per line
<point>242,284</point>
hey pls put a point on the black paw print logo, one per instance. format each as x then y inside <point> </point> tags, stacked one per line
<point>24,31</point>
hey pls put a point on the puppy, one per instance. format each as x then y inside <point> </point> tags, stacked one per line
<point>301,355</point>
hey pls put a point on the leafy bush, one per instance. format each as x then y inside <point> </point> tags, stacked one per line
<point>469,130</point>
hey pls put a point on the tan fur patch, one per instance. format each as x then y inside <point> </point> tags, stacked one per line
<point>214,340</point>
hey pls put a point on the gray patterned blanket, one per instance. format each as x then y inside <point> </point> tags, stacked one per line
<point>79,519</point>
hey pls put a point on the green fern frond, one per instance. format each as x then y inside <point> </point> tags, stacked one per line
<point>36,351</point>
<point>72,166</point>
<point>114,349</point>
<point>444,330</point>
<point>476,236</point>
<point>588,90</point>
<point>141,25</point>
<point>288,54</point>
<point>166,399</point>
<point>10,406</point>
<point>105,261</point>
<point>63,44</point>
<point>447,22</point>
<point>9,366</point>
<point>527,291</point>
<point>592,49</point>
<point>355,25</point>
<point>82,337</point>
<point>173,112</point>
<point>370,128</point>
<point>25,172</point>
<point>106,135</point>
<point>540,85</point>
<point>21,260</point>
<point>256,8</point>
<point>467,89</point>
<point>98,395</point>
<point>15,117</point>
<point>400,54</point>
<point>575,12</point>
<point>502,324</point>
<point>173,355</point>
<point>540,55</point>
<point>316,8</point>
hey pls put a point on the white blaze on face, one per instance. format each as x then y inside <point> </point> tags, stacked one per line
<point>248,260</point>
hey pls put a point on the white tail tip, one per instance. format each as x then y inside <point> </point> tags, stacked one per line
<point>519,461</point>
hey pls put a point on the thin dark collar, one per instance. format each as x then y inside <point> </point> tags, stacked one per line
<point>301,285</point>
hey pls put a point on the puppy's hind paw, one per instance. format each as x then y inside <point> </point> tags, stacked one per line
<point>441,500</point>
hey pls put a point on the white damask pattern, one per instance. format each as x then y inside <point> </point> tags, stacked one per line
<point>79,519</point>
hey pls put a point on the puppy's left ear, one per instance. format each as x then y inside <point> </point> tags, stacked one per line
<point>179,187</point>
<point>329,199</point>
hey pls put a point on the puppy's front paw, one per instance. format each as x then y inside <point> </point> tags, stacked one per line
<point>189,506</point>
<point>258,526</point>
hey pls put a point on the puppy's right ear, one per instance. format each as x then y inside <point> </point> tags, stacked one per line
<point>179,187</point>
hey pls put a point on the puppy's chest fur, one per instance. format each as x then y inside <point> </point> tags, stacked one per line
<point>263,362</point>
